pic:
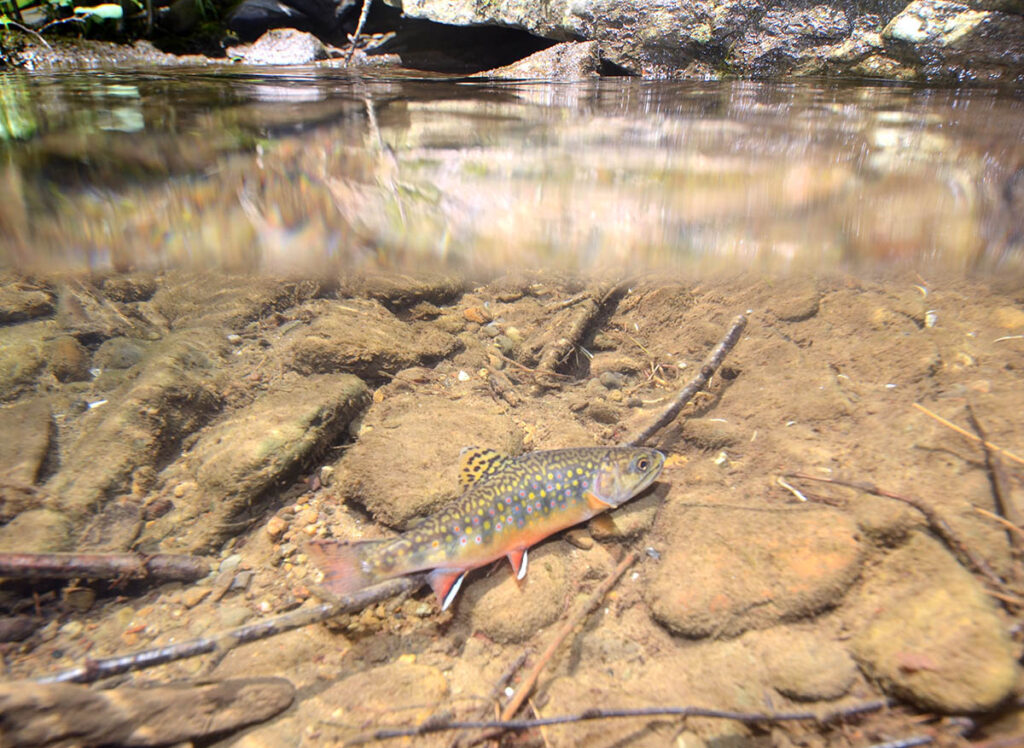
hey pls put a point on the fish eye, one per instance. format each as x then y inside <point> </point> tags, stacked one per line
<point>642,464</point>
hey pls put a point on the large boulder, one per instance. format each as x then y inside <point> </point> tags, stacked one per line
<point>706,38</point>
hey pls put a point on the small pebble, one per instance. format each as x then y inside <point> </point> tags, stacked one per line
<point>613,380</point>
<point>463,376</point>
<point>241,581</point>
<point>505,345</point>
<point>230,563</point>
<point>580,538</point>
<point>308,516</point>
<point>276,527</point>
<point>491,330</point>
<point>72,628</point>
<point>477,314</point>
<point>193,596</point>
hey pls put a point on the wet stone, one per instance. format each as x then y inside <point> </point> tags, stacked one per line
<point>399,693</point>
<point>22,355</point>
<point>252,450</point>
<point>509,610</point>
<point>18,304</point>
<point>604,412</point>
<point>281,47</point>
<point>806,665</point>
<point>173,395</point>
<point>36,531</point>
<point>405,462</point>
<point>725,570</point>
<point>27,430</point>
<point>69,359</point>
<point>119,353</point>
<point>926,630</point>
<point>399,291</point>
<point>364,338</point>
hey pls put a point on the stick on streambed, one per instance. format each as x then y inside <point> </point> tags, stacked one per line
<point>94,670</point>
<point>695,385</point>
<point>163,567</point>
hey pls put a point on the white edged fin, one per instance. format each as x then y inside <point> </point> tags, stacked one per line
<point>522,566</point>
<point>452,592</point>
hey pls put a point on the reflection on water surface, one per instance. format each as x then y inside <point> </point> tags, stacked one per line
<point>302,169</point>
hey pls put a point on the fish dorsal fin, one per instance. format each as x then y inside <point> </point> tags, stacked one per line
<point>480,462</point>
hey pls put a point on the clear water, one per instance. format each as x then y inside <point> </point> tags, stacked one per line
<point>315,169</point>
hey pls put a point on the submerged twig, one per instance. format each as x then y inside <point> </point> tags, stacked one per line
<point>94,670</point>
<point>531,678</point>
<point>707,370</point>
<point>1000,490</point>
<point>160,567</point>
<point>824,718</point>
<point>964,432</point>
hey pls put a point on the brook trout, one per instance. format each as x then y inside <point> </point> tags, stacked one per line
<point>510,503</point>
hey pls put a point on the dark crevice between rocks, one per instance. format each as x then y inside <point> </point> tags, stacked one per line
<point>459,50</point>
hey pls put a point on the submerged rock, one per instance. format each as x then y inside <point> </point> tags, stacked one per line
<point>725,570</point>
<point>926,630</point>
<point>405,462</point>
<point>507,609</point>
<point>363,337</point>
<point>22,356</point>
<point>237,460</point>
<point>144,422</point>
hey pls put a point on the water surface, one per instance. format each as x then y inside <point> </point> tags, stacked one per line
<point>314,168</point>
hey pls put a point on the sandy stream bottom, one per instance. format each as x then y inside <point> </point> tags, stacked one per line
<point>239,417</point>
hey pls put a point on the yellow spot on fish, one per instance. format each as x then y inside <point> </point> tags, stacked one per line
<point>532,495</point>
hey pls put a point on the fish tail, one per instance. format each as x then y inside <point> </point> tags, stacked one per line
<point>344,564</point>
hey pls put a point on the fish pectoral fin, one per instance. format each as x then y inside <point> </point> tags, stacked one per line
<point>595,503</point>
<point>445,584</point>
<point>518,559</point>
<point>604,525</point>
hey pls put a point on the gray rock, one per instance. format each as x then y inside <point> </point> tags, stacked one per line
<point>119,353</point>
<point>934,38</point>
<point>954,40</point>
<point>566,61</point>
<point>925,629</point>
<point>281,47</point>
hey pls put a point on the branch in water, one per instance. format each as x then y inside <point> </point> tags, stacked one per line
<point>699,382</point>
<point>591,714</point>
<point>161,567</point>
<point>94,670</point>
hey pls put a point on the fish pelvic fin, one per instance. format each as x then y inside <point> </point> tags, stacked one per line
<point>518,559</point>
<point>344,564</point>
<point>446,584</point>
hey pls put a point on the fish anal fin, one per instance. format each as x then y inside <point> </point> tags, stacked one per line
<point>478,463</point>
<point>445,583</point>
<point>519,559</point>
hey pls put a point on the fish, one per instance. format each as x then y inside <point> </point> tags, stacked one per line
<point>509,504</point>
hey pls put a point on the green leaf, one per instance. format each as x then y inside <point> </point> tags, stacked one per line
<point>108,11</point>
